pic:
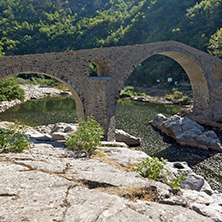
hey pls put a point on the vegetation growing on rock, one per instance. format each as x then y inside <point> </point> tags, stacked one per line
<point>152,168</point>
<point>87,136</point>
<point>14,139</point>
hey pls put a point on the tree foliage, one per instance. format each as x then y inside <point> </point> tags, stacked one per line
<point>10,90</point>
<point>38,26</point>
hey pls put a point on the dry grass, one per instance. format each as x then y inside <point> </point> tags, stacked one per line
<point>133,193</point>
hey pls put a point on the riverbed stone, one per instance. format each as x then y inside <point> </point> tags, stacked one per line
<point>58,136</point>
<point>187,132</point>
<point>192,181</point>
<point>130,140</point>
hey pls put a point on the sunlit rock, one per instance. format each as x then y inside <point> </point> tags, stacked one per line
<point>187,132</point>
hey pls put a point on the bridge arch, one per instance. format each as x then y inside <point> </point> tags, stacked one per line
<point>183,56</point>
<point>102,66</point>
<point>60,78</point>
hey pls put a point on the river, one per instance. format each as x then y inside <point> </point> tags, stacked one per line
<point>133,117</point>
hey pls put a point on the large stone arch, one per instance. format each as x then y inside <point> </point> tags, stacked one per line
<point>60,78</point>
<point>183,55</point>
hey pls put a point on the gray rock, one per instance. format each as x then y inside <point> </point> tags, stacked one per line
<point>58,136</point>
<point>193,182</point>
<point>113,144</point>
<point>164,212</point>
<point>187,132</point>
<point>130,140</point>
<point>40,137</point>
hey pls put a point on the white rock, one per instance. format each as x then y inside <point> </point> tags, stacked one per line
<point>130,140</point>
<point>187,132</point>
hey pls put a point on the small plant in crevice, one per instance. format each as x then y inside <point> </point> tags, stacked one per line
<point>87,136</point>
<point>14,139</point>
<point>152,168</point>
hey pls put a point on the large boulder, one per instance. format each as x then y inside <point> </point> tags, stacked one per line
<point>130,140</point>
<point>187,132</point>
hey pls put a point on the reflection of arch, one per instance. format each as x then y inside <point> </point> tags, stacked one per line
<point>78,102</point>
<point>102,67</point>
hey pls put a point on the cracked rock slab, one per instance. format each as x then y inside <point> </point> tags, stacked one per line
<point>46,184</point>
<point>31,195</point>
<point>92,205</point>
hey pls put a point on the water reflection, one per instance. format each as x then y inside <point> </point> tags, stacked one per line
<point>42,111</point>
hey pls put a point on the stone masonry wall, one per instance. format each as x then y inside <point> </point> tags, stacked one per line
<point>99,95</point>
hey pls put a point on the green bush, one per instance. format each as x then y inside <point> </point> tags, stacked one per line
<point>130,91</point>
<point>152,168</point>
<point>10,90</point>
<point>176,181</point>
<point>177,95</point>
<point>88,135</point>
<point>14,139</point>
<point>22,81</point>
<point>185,100</point>
<point>169,97</point>
<point>37,79</point>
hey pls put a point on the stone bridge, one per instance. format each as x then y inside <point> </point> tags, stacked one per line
<point>99,95</point>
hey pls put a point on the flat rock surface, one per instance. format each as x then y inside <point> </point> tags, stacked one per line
<point>47,184</point>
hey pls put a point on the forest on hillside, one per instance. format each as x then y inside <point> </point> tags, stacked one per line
<point>38,26</point>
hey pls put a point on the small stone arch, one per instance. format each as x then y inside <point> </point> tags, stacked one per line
<point>103,69</point>
<point>62,79</point>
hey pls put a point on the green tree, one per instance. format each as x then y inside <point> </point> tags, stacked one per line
<point>10,90</point>
<point>215,44</point>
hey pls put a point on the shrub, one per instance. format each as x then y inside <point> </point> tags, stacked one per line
<point>176,181</point>
<point>177,95</point>
<point>169,97</point>
<point>14,139</point>
<point>10,90</point>
<point>152,168</point>
<point>185,100</point>
<point>127,92</point>
<point>130,91</point>
<point>87,136</point>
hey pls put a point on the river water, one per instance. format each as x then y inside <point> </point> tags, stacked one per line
<point>133,117</point>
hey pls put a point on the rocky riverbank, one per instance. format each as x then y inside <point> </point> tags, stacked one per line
<point>34,92</point>
<point>187,132</point>
<point>49,183</point>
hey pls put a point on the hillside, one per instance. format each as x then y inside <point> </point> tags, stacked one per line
<point>37,26</point>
